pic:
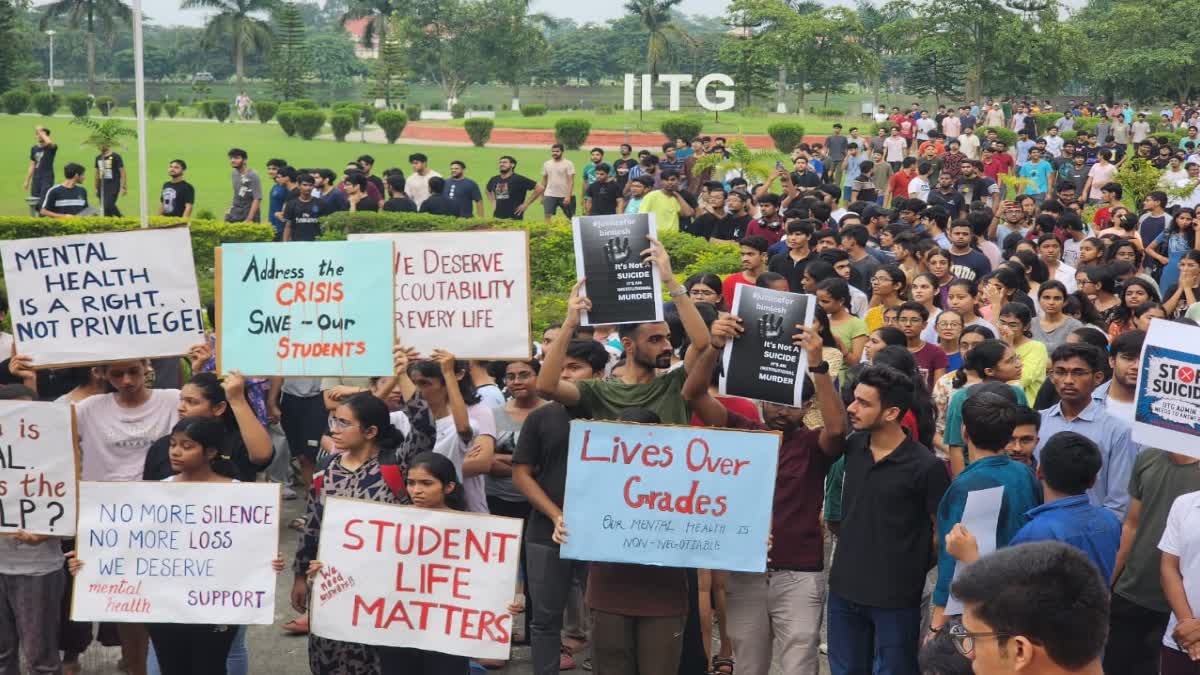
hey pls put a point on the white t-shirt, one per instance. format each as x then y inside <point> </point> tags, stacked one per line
<point>918,188</point>
<point>1066,274</point>
<point>114,440</point>
<point>490,395</point>
<point>451,446</point>
<point>1182,538</point>
<point>1121,409</point>
<point>1054,145</point>
<point>968,144</point>
<point>894,148</point>
<point>416,186</point>
<point>924,126</point>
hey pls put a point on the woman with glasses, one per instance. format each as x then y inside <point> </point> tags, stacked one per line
<point>1014,323</point>
<point>705,287</point>
<point>1101,289</point>
<point>1052,326</point>
<point>949,331</point>
<point>931,359</point>
<point>888,285</point>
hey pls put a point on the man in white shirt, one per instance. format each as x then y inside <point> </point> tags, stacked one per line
<point>1140,129</point>
<point>417,184</point>
<point>968,143</point>
<point>558,181</point>
<point>918,186</point>
<point>894,149</point>
<point>1054,142</point>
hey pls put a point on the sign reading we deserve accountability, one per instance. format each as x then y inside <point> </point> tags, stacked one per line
<point>37,468</point>
<point>763,363</point>
<point>402,576</point>
<point>608,256</point>
<point>109,296</point>
<point>466,292</point>
<point>305,308</point>
<point>170,552</point>
<point>1167,404</point>
<point>673,496</point>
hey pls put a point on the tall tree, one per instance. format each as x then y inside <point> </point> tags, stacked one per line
<point>935,69</point>
<point>445,43</point>
<point>377,11</point>
<point>655,17</point>
<point>89,14</point>
<point>390,69</point>
<point>517,33</point>
<point>234,23</point>
<point>8,56</point>
<point>288,53</point>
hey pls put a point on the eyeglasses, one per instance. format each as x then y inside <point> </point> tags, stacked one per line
<point>964,640</point>
<point>910,321</point>
<point>518,377</point>
<point>339,424</point>
<point>1075,374</point>
<point>701,293</point>
<point>1025,441</point>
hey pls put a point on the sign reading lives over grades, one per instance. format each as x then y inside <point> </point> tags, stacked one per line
<point>305,308</point>
<point>402,576</point>
<point>764,364</point>
<point>672,496</point>
<point>1167,404</point>
<point>608,255</point>
<point>466,292</point>
<point>111,296</point>
<point>37,468</point>
<point>170,552</point>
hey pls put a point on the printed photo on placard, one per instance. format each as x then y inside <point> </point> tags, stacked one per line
<point>763,363</point>
<point>623,288</point>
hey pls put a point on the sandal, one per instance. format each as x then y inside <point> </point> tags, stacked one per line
<point>297,626</point>
<point>297,524</point>
<point>720,662</point>
<point>565,660</point>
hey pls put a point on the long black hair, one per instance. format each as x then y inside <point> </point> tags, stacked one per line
<point>986,354</point>
<point>210,387</point>
<point>901,359</point>
<point>210,433</point>
<point>433,370</point>
<point>370,411</point>
<point>442,469</point>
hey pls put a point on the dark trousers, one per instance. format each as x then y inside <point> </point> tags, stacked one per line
<point>408,661</point>
<point>108,201</point>
<point>1134,638</point>
<point>693,660</point>
<point>635,645</point>
<point>191,649</point>
<point>503,507</point>
<point>865,640</point>
<point>549,583</point>
<point>1175,662</point>
<point>29,622</point>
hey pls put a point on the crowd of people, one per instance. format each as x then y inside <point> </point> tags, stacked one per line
<point>968,335</point>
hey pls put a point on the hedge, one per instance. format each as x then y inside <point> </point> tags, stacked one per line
<point>266,110</point>
<point>572,131</point>
<point>46,104</point>
<point>686,128</point>
<point>479,129</point>
<point>786,135</point>
<point>154,109</point>
<point>533,110</point>
<point>105,105</point>
<point>219,109</point>
<point>287,120</point>
<point>1006,136</point>
<point>172,108</point>
<point>341,122</point>
<point>458,111</point>
<point>15,101</point>
<point>308,123</point>
<point>392,122</point>
<point>79,105</point>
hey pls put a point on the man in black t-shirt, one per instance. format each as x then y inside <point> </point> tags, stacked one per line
<point>69,198</point>
<point>603,196</point>
<point>437,204</point>
<point>40,176</point>
<point>366,163</point>
<point>355,187</point>
<point>509,192</point>
<point>399,202</point>
<point>623,166</point>
<point>301,215</point>
<point>178,195</point>
<point>110,180</point>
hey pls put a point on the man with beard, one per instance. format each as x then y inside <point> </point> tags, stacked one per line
<point>463,192</point>
<point>247,190</point>
<point>785,602</point>
<point>507,191</point>
<point>975,187</point>
<point>177,196</point>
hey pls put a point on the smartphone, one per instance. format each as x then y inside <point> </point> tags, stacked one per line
<point>778,165</point>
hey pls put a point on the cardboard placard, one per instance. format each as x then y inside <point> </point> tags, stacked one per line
<point>39,468</point>
<point>1167,401</point>
<point>109,296</point>
<point>623,288</point>
<point>763,363</point>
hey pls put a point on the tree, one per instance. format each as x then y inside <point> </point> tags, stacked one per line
<point>935,69</point>
<point>103,133</point>
<point>517,33</point>
<point>288,53</point>
<point>1143,69</point>
<point>750,52</point>
<point>333,61</point>
<point>377,11</point>
<point>390,69</point>
<point>445,39</point>
<point>753,165</point>
<point>655,17</point>
<point>89,13</point>
<point>8,55</point>
<point>234,23</point>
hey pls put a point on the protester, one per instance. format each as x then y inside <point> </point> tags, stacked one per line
<point>177,197</point>
<point>68,198</point>
<point>40,176</point>
<point>558,184</point>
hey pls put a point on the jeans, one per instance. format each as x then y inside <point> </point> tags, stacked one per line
<point>636,645</point>
<point>1134,638</point>
<point>191,649</point>
<point>237,663</point>
<point>879,640</point>
<point>775,612</point>
<point>549,581</point>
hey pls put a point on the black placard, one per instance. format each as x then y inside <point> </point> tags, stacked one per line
<point>762,363</point>
<point>621,286</point>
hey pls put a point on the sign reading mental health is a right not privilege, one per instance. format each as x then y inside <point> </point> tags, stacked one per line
<point>623,288</point>
<point>1167,405</point>
<point>667,495</point>
<point>306,309</point>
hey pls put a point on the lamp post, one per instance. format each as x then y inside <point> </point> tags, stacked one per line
<point>50,33</point>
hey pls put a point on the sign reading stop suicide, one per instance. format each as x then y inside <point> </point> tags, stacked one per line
<point>1167,403</point>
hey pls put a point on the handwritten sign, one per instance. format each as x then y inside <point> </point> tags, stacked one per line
<point>306,308</point>
<point>402,576</point>
<point>608,254</point>
<point>763,363</point>
<point>170,552</point>
<point>1167,405</point>
<point>37,468</point>
<point>110,296</point>
<point>673,496</point>
<point>467,292</point>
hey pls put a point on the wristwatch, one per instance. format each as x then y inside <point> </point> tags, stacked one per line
<point>678,292</point>
<point>821,368</point>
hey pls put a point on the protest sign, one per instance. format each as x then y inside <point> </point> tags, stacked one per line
<point>1167,402</point>
<point>666,495</point>
<point>38,471</point>
<point>465,292</point>
<point>763,363</point>
<point>305,308</point>
<point>608,255</point>
<point>402,576</point>
<point>111,296</point>
<point>171,552</point>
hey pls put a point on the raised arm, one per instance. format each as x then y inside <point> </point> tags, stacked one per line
<point>693,323</point>
<point>457,405</point>
<point>549,383</point>
<point>254,434</point>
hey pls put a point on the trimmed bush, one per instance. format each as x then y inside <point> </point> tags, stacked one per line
<point>1045,120</point>
<point>1087,124</point>
<point>105,105</point>
<point>287,120</point>
<point>533,110</point>
<point>266,110</point>
<point>686,128</point>
<point>205,109</point>
<point>572,132</point>
<point>479,129</point>
<point>341,123</point>
<point>45,103</point>
<point>79,105</point>
<point>15,101</point>
<point>304,104</point>
<point>172,108</point>
<point>1006,136</point>
<point>392,122</point>
<point>308,123</point>
<point>356,110</point>
<point>412,111</point>
<point>1068,136</point>
<point>786,135</point>
<point>458,111</point>
<point>219,110</point>
<point>154,109</point>
<point>829,112</point>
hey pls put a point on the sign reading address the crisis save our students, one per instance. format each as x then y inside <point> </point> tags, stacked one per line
<point>667,495</point>
<point>1167,406</point>
<point>111,296</point>
<point>305,308</point>
<point>402,576</point>
<point>37,468</point>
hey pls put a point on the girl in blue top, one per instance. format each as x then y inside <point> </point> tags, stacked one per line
<point>1177,239</point>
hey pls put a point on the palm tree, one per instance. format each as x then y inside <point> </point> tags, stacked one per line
<point>234,22</point>
<point>377,11</point>
<point>753,165</point>
<point>655,16</point>
<point>103,134</point>
<point>89,13</point>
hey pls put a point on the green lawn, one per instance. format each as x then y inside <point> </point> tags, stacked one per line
<point>203,146</point>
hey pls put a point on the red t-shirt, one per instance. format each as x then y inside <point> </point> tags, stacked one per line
<point>898,184</point>
<point>759,227</point>
<point>729,283</point>
<point>734,404</point>
<point>930,358</point>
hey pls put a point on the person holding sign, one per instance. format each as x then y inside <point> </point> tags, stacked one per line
<point>785,602</point>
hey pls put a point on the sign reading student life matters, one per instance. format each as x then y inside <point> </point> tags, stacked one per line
<point>1167,405</point>
<point>764,364</point>
<point>37,468</point>
<point>672,496</point>
<point>608,255</point>
<point>466,292</point>
<point>305,308</point>
<point>170,552</point>
<point>402,576</point>
<point>111,296</point>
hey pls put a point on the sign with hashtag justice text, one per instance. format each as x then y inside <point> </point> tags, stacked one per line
<point>762,363</point>
<point>623,288</point>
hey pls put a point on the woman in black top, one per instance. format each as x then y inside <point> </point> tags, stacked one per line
<point>247,443</point>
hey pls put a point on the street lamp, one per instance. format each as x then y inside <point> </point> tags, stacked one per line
<point>50,33</point>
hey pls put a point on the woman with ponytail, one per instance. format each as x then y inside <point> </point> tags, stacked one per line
<point>989,361</point>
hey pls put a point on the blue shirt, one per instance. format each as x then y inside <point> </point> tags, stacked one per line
<point>853,162</point>
<point>275,200</point>
<point>1091,529</point>
<point>1023,150</point>
<point>1021,493</point>
<point>1117,451</point>
<point>1040,175</point>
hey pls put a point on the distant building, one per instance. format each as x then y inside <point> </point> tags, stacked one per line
<point>356,28</point>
